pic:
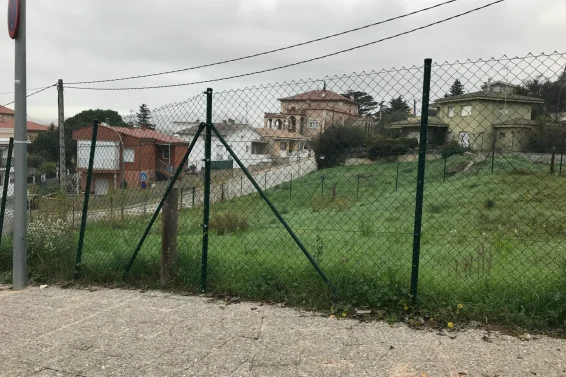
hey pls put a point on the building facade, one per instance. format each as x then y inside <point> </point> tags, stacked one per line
<point>246,142</point>
<point>135,156</point>
<point>305,116</point>
<point>471,117</point>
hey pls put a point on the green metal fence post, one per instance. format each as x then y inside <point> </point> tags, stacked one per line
<point>322,185</point>
<point>444,175</point>
<point>206,212</point>
<point>493,154</point>
<point>163,199</point>
<point>86,199</point>
<point>291,186</point>
<point>5,188</point>
<point>276,212</point>
<point>420,181</point>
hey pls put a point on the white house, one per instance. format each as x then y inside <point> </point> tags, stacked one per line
<point>250,147</point>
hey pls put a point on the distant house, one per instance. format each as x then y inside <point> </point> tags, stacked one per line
<point>246,142</point>
<point>304,116</point>
<point>473,118</point>
<point>6,113</point>
<point>7,123</point>
<point>137,156</point>
<point>411,129</point>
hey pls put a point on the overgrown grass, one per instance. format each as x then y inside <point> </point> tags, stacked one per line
<point>491,242</point>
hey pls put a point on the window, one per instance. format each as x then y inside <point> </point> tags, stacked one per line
<point>165,152</point>
<point>313,123</point>
<point>451,111</point>
<point>283,146</point>
<point>466,110</point>
<point>270,123</point>
<point>129,155</point>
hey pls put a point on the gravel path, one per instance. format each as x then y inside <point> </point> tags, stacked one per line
<point>66,332</point>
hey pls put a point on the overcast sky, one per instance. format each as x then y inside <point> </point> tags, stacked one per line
<point>91,39</point>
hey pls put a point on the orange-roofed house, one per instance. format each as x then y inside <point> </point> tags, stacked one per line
<point>7,123</point>
<point>136,156</point>
<point>305,116</point>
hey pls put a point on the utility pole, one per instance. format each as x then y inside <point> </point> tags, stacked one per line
<point>61,126</point>
<point>20,268</point>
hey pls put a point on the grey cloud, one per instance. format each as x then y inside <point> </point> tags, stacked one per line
<point>92,39</point>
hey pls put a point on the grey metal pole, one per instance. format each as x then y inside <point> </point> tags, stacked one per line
<point>61,126</point>
<point>20,267</point>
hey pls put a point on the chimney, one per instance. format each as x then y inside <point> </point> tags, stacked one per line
<point>488,85</point>
<point>231,121</point>
<point>145,126</point>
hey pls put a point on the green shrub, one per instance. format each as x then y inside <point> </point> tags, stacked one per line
<point>48,168</point>
<point>336,144</point>
<point>452,148</point>
<point>226,223</point>
<point>378,146</point>
<point>545,137</point>
<point>366,227</point>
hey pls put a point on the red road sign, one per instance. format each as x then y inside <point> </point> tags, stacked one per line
<point>13,17</point>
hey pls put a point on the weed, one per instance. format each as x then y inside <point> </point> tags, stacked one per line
<point>228,223</point>
<point>366,227</point>
<point>331,204</point>
<point>437,208</point>
<point>318,248</point>
<point>50,249</point>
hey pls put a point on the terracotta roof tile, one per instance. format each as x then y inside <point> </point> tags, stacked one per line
<point>317,95</point>
<point>5,110</point>
<point>148,134</point>
<point>31,126</point>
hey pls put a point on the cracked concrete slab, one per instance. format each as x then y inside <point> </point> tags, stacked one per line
<point>64,332</point>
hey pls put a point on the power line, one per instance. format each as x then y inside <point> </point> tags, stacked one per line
<point>28,90</point>
<point>292,64</point>
<point>29,95</point>
<point>267,52</point>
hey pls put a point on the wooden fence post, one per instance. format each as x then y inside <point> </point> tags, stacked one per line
<point>169,216</point>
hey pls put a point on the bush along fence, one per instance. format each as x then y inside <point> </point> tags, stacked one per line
<point>434,191</point>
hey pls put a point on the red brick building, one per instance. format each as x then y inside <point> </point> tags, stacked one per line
<point>137,156</point>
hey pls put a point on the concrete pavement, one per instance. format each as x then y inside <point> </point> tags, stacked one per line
<point>66,332</point>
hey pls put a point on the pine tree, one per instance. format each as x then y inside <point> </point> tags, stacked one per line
<point>144,117</point>
<point>456,89</point>
<point>365,101</point>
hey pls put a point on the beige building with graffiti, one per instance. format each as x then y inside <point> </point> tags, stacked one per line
<point>493,115</point>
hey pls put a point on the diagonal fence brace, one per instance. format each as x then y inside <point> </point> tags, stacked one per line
<point>5,188</point>
<point>163,199</point>
<point>276,212</point>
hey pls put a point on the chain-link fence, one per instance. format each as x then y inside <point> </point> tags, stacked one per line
<point>308,192</point>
